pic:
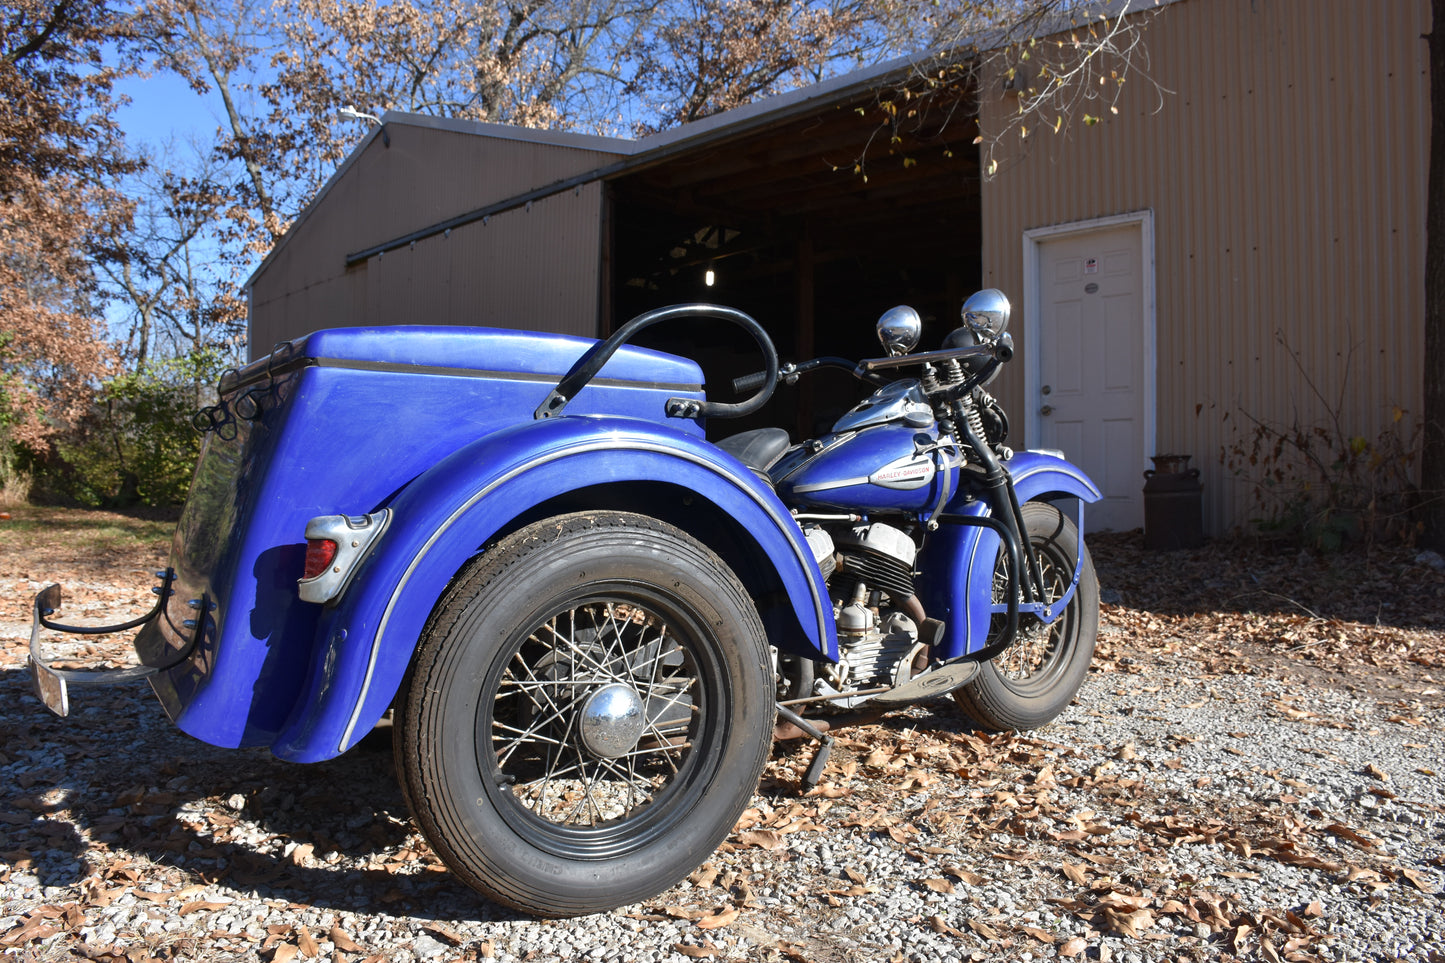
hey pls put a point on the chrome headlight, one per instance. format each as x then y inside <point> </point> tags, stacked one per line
<point>899,330</point>
<point>985,314</point>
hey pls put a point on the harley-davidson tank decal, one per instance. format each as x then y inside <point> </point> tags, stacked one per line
<point>904,474</point>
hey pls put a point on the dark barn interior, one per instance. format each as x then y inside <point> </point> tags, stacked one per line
<point>815,225</point>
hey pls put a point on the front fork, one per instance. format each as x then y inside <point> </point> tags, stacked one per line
<point>1006,517</point>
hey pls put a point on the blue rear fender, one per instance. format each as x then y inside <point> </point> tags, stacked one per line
<point>514,477</point>
<point>960,558</point>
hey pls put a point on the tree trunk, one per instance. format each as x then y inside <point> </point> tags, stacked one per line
<point>1432,461</point>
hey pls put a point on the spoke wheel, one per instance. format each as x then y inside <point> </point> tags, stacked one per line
<point>591,722</point>
<point>1036,678</point>
<point>587,715</point>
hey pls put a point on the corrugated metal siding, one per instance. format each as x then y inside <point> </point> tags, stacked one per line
<point>535,267</point>
<point>1286,173</point>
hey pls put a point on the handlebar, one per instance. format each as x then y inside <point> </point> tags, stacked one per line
<point>790,373</point>
<point>750,382</point>
<point>1001,351</point>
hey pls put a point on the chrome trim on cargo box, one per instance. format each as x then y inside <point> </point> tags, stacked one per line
<point>397,367</point>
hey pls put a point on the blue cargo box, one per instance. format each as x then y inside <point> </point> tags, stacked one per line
<point>338,423</point>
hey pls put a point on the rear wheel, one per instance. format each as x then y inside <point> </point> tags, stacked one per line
<point>588,713</point>
<point>1036,678</point>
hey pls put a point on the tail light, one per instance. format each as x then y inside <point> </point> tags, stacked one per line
<point>320,552</point>
<point>336,545</point>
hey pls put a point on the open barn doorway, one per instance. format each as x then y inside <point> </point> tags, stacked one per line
<point>784,226</point>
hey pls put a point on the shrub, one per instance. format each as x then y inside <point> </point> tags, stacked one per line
<point>136,446</point>
<point>1324,487</point>
<point>1325,484</point>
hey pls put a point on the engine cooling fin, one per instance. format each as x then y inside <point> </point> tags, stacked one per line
<point>880,571</point>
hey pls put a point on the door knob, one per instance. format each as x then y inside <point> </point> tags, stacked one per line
<point>1046,410</point>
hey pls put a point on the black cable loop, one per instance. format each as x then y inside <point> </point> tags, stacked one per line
<point>201,420</point>
<point>271,362</point>
<point>226,430</point>
<point>248,405</point>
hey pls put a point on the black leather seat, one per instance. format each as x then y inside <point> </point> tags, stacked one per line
<point>757,449</point>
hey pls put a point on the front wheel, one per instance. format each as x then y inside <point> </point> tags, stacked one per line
<point>588,714</point>
<point>1036,678</point>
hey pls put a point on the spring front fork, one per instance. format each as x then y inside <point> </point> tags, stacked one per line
<point>1003,501</point>
<point>960,417</point>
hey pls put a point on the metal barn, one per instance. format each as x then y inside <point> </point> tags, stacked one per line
<point>1243,239</point>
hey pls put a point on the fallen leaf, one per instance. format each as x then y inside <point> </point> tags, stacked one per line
<point>696,952</point>
<point>917,777</point>
<point>306,943</point>
<point>718,920</point>
<point>1074,946</point>
<point>1354,836</point>
<point>450,936</point>
<point>152,897</point>
<point>198,905</point>
<point>792,951</point>
<point>1124,901</point>
<point>33,929</point>
<point>963,876</point>
<point>762,839</point>
<point>1423,883</point>
<point>1129,924</point>
<point>878,758</point>
<point>983,929</point>
<point>342,941</point>
<point>685,912</point>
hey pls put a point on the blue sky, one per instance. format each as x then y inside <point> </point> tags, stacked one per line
<point>163,108</point>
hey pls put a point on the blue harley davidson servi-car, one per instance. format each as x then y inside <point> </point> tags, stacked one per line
<point>587,621</point>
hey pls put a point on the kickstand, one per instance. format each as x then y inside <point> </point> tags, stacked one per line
<point>825,746</point>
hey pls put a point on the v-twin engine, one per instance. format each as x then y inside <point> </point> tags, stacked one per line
<point>870,579</point>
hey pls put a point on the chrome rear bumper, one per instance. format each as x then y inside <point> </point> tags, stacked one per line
<point>52,685</point>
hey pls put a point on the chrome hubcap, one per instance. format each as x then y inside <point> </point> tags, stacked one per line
<point>612,720</point>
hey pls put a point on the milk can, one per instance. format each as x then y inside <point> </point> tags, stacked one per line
<point>1173,504</point>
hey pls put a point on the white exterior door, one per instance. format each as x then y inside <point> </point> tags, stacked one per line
<point>1088,396</point>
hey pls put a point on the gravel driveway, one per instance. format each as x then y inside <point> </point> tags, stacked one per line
<point>1213,794</point>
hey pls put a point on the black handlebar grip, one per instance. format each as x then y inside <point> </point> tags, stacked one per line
<point>750,382</point>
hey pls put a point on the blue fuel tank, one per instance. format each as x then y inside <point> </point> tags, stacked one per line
<point>884,468</point>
